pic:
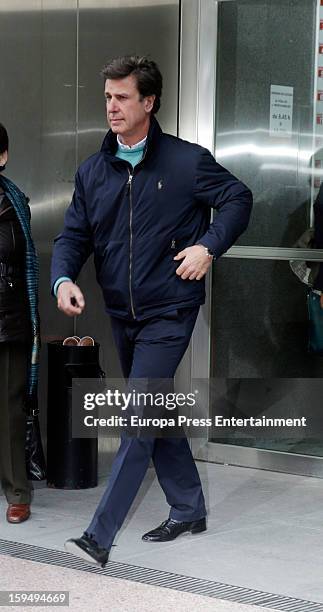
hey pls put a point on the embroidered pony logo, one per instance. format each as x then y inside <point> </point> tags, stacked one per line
<point>160,184</point>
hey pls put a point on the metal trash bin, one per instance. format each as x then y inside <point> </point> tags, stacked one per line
<point>72,463</point>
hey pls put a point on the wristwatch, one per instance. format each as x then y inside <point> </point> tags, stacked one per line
<point>208,251</point>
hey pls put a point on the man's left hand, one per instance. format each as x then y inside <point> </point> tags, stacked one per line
<point>196,262</point>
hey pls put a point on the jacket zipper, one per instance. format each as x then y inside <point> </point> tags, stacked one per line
<point>14,248</point>
<point>131,236</point>
<point>130,243</point>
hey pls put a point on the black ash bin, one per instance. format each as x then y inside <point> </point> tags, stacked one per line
<point>72,463</point>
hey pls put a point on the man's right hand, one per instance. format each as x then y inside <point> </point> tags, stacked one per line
<point>70,299</point>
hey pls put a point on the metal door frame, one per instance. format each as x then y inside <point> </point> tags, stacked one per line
<point>198,64</point>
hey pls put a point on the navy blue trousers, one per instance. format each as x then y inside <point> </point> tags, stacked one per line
<point>152,348</point>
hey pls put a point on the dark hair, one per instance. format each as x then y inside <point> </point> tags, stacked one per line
<point>147,73</point>
<point>4,140</point>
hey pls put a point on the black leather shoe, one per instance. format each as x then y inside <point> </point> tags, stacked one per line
<point>87,549</point>
<point>170,529</point>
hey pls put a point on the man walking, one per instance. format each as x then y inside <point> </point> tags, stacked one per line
<point>142,205</point>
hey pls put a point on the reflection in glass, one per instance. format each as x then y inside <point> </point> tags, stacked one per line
<point>262,50</point>
<point>259,356</point>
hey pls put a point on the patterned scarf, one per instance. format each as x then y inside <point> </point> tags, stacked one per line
<point>20,204</point>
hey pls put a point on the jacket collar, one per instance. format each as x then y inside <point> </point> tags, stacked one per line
<point>110,143</point>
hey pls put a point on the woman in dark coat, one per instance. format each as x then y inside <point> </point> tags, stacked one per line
<point>19,338</point>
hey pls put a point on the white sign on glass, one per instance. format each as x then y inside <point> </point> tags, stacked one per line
<point>281,110</point>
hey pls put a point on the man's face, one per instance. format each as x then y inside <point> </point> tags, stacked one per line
<point>3,158</point>
<point>127,113</point>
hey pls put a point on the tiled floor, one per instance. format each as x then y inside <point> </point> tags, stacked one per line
<point>264,529</point>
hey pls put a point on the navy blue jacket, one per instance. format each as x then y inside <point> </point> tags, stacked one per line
<point>136,220</point>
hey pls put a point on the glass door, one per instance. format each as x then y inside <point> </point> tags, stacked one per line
<point>269,133</point>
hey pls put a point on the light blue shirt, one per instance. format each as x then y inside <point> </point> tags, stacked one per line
<point>133,154</point>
